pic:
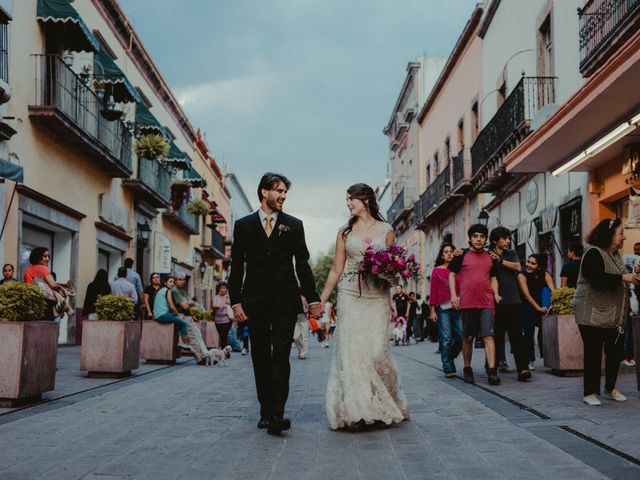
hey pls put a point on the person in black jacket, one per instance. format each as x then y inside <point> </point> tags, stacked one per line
<point>99,286</point>
<point>264,291</point>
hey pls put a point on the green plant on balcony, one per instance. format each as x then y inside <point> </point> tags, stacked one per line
<point>21,302</point>
<point>198,207</point>
<point>115,307</point>
<point>152,146</point>
<point>562,301</point>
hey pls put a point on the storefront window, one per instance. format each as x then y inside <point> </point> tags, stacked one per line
<point>570,225</point>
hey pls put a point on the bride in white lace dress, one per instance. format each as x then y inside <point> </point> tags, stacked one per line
<point>363,386</point>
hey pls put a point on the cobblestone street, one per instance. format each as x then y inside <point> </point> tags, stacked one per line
<point>196,422</point>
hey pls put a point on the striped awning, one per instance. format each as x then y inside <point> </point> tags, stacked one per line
<point>194,178</point>
<point>116,83</point>
<point>145,121</point>
<point>75,34</point>
<point>177,158</point>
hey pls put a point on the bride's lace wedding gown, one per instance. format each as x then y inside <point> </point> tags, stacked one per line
<point>363,381</point>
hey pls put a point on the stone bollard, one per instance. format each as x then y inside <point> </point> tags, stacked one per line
<point>159,342</point>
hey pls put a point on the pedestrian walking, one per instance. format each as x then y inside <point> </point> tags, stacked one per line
<point>532,281</point>
<point>400,305</point>
<point>569,272</point>
<point>478,292</point>
<point>442,313</point>
<point>509,309</point>
<point>149,295</point>
<point>413,317</point>
<point>122,286</point>
<point>8,274</point>
<point>599,307</point>
<point>302,331</point>
<point>221,316</point>
<point>98,287</point>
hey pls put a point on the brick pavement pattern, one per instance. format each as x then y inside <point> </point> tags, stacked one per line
<point>196,422</point>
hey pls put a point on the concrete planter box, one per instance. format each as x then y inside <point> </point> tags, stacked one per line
<point>563,350</point>
<point>27,361</point>
<point>159,343</point>
<point>212,339</point>
<point>110,348</point>
<point>636,346</point>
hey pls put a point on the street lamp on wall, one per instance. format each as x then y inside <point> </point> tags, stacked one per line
<point>144,231</point>
<point>202,268</point>
<point>483,217</point>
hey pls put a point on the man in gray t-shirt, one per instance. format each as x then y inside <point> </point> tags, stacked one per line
<point>509,310</point>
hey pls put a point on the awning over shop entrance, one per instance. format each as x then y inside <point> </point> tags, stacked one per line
<point>115,82</point>
<point>75,34</point>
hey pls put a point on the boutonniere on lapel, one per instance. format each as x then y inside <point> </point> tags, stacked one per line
<point>282,228</point>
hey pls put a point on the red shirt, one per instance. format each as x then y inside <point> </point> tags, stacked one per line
<point>35,271</point>
<point>474,270</point>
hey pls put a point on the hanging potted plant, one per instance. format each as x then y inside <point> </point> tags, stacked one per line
<point>28,346</point>
<point>562,341</point>
<point>85,73</point>
<point>198,207</point>
<point>111,344</point>
<point>152,146</point>
<point>100,88</point>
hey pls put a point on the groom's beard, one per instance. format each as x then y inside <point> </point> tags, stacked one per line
<point>274,205</point>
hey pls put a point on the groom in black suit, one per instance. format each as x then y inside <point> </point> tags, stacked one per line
<point>264,291</point>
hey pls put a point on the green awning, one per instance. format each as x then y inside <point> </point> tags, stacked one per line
<point>74,33</point>
<point>177,158</point>
<point>11,171</point>
<point>146,121</point>
<point>106,71</point>
<point>194,178</point>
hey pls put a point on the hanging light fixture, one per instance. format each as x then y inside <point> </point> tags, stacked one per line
<point>67,57</point>
<point>144,231</point>
<point>483,217</point>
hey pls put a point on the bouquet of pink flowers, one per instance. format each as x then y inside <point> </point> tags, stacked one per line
<point>387,264</point>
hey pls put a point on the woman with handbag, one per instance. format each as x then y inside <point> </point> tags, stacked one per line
<point>600,308</point>
<point>38,273</point>
<point>221,313</point>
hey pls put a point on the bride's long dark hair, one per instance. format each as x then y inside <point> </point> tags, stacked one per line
<point>364,193</point>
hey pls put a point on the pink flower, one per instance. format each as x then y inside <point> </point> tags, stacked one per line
<point>406,273</point>
<point>367,240</point>
<point>375,269</point>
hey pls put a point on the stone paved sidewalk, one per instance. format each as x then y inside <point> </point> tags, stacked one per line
<point>195,422</point>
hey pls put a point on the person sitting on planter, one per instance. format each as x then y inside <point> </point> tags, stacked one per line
<point>99,286</point>
<point>165,311</point>
<point>7,274</point>
<point>122,286</point>
<point>180,297</point>
<point>149,294</point>
<point>599,306</point>
<point>38,272</point>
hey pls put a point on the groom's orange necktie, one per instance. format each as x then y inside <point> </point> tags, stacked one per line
<point>268,228</point>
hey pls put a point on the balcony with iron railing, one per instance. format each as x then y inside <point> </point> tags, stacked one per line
<point>435,198</point>
<point>604,26</point>
<point>152,184</point>
<point>215,243</point>
<point>183,219</point>
<point>397,207</point>
<point>65,105</point>
<point>504,132</point>
<point>460,173</point>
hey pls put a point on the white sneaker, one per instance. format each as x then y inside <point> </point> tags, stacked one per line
<point>629,363</point>
<point>326,344</point>
<point>615,395</point>
<point>592,400</point>
<point>532,367</point>
<point>244,351</point>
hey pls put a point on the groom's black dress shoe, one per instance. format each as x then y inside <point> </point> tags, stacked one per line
<point>263,422</point>
<point>278,425</point>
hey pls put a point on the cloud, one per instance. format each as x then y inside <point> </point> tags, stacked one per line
<point>241,94</point>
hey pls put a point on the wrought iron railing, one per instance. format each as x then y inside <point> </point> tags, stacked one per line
<point>396,207</point>
<point>188,218</point>
<point>56,85</point>
<point>600,21</point>
<point>155,176</point>
<point>460,169</point>
<point>528,96</point>
<point>437,192</point>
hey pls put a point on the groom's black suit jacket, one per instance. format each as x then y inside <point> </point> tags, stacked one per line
<point>263,274</point>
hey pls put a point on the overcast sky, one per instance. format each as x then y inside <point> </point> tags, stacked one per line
<point>302,87</point>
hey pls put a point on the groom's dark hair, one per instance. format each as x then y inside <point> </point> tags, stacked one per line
<point>270,180</point>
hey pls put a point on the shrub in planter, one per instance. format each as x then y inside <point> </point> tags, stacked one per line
<point>21,302</point>
<point>28,347</point>
<point>196,313</point>
<point>111,345</point>
<point>152,146</point>
<point>562,301</point>
<point>198,207</point>
<point>208,316</point>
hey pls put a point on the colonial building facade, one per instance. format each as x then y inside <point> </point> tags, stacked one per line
<point>80,97</point>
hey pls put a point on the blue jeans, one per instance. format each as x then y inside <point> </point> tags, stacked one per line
<point>171,318</point>
<point>450,337</point>
<point>417,331</point>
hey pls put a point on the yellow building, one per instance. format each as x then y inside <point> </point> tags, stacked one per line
<point>79,92</point>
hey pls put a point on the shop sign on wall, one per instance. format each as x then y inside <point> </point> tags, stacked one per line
<point>161,253</point>
<point>531,197</point>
